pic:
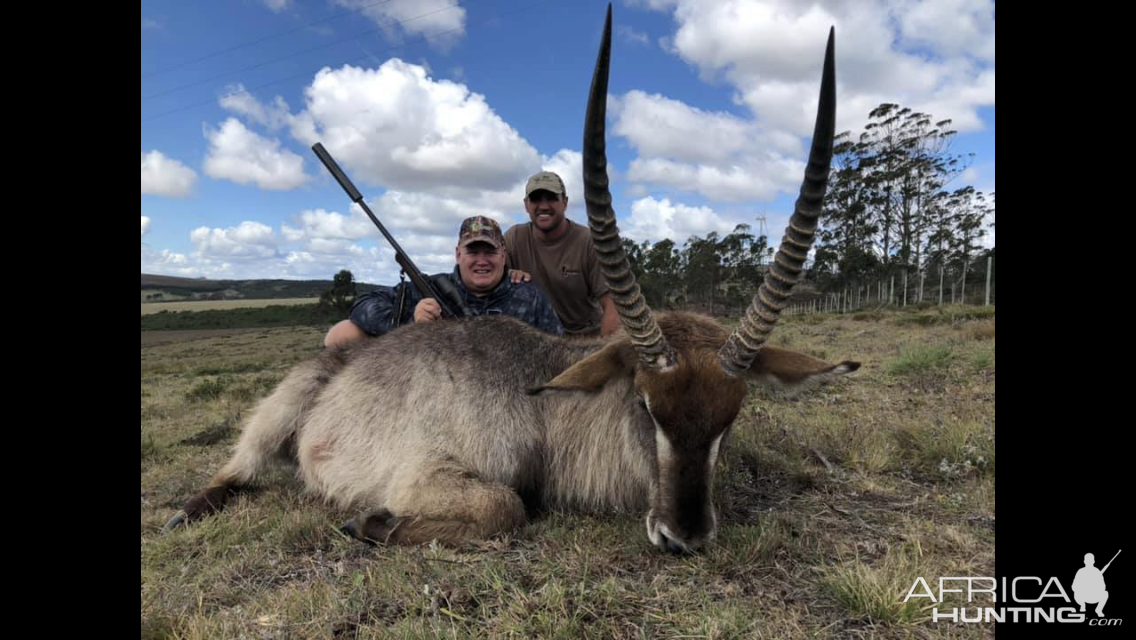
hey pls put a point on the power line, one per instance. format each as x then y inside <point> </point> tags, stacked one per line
<point>356,59</point>
<point>298,53</point>
<point>242,45</point>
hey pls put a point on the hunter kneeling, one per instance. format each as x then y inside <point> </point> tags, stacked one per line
<point>478,277</point>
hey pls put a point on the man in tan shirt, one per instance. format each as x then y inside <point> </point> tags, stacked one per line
<point>559,255</point>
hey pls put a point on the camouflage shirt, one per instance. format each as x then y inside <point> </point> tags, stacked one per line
<point>374,312</point>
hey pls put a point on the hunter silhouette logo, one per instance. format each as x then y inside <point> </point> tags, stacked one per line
<point>1089,585</point>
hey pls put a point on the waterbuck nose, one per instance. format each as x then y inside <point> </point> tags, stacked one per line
<point>676,547</point>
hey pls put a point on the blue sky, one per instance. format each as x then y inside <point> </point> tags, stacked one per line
<point>440,109</point>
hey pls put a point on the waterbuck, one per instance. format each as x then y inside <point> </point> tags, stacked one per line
<point>449,430</point>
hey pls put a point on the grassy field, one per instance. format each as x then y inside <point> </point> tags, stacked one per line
<point>208,305</point>
<point>830,505</point>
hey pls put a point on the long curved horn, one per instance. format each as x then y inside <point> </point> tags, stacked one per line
<point>654,352</point>
<point>741,347</point>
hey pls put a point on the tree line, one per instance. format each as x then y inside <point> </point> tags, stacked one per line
<point>892,215</point>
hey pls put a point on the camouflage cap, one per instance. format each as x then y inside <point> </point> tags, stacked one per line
<point>480,229</point>
<point>546,180</point>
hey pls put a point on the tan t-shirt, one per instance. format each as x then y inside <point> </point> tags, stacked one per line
<point>567,270</point>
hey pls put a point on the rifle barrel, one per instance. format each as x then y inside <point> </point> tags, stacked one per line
<point>1110,562</point>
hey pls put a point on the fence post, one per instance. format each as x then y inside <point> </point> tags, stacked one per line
<point>989,261</point>
<point>962,298</point>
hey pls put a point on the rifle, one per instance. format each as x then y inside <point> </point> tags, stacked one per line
<point>1110,562</point>
<point>440,289</point>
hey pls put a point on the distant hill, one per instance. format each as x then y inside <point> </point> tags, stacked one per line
<point>157,288</point>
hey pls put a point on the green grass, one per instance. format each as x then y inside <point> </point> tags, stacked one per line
<point>242,367</point>
<point>982,360</point>
<point>947,314</point>
<point>208,389</point>
<point>949,449</point>
<point>876,590</point>
<point>919,360</point>
<point>269,316</point>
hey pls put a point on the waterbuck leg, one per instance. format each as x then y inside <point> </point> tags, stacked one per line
<point>208,501</point>
<point>447,503</point>
<point>269,436</point>
<point>256,449</point>
<point>245,464</point>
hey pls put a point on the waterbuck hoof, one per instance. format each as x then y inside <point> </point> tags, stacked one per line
<point>350,529</point>
<point>375,527</point>
<point>178,520</point>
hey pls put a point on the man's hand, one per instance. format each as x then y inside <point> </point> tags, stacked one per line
<point>611,322</point>
<point>516,276</point>
<point>428,310</point>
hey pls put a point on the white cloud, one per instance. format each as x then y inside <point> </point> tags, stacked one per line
<point>440,21</point>
<point>951,27</point>
<point>277,6</point>
<point>323,257</point>
<point>253,250</point>
<point>441,211</point>
<point>658,126</point>
<point>316,265</point>
<point>162,176</point>
<point>433,253</point>
<point>633,36</point>
<point>759,179</point>
<point>655,220</point>
<point>395,126</point>
<point>636,191</point>
<point>330,225</point>
<point>249,241</point>
<point>439,151</point>
<point>166,262</point>
<point>771,51</point>
<point>240,155</point>
<point>429,213</point>
<point>145,225</point>
<point>425,215</point>
<point>275,116</point>
<point>716,154</point>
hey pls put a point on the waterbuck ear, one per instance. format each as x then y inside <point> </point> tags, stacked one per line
<point>593,372</point>
<point>781,368</point>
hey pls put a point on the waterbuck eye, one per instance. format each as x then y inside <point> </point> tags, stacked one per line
<point>642,403</point>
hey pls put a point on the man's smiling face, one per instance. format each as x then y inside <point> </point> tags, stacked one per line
<point>546,210</point>
<point>481,266</point>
